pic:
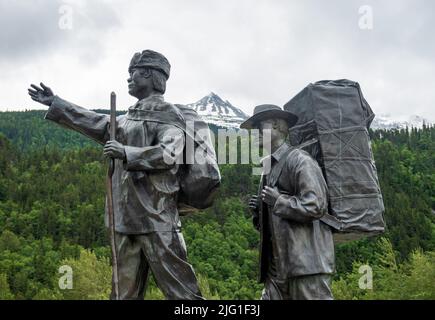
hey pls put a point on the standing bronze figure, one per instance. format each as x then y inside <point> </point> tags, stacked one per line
<point>297,249</point>
<point>149,143</point>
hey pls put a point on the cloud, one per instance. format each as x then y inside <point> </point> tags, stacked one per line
<point>32,29</point>
<point>249,53</point>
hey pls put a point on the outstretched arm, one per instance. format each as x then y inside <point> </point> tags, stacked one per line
<point>91,124</point>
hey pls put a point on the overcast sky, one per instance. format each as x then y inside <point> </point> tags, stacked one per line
<point>249,52</point>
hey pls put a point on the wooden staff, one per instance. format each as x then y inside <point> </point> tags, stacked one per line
<point>110,198</point>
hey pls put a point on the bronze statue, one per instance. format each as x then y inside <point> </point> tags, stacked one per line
<point>149,142</point>
<point>296,249</point>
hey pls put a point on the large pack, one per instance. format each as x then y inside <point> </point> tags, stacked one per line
<point>199,175</point>
<point>333,123</point>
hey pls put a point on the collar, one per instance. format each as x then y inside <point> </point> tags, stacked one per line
<point>277,155</point>
<point>153,98</point>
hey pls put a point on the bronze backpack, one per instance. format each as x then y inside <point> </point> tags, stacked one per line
<point>333,123</point>
<point>199,175</point>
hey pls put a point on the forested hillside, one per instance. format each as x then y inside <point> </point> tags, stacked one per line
<point>52,205</point>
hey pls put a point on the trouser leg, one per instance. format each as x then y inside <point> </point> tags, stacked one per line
<point>313,287</point>
<point>132,267</point>
<point>275,289</point>
<point>167,257</point>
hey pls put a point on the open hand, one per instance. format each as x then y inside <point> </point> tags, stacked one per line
<point>41,94</point>
<point>113,149</point>
<point>270,195</point>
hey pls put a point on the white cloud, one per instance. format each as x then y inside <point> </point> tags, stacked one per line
<point>248,52</point>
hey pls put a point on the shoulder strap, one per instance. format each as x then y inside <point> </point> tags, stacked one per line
<point>171,118</point>
<point>276,171</point>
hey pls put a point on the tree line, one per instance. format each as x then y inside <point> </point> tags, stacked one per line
<point>52,205</point>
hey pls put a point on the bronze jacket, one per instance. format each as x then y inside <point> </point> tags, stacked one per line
<point>145,185</point>
<point>291,229</point>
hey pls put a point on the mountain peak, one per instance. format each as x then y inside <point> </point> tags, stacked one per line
<point>217,111</point>
<point>213,98</point>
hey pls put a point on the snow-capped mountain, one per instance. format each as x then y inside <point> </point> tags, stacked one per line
<point>386,121</point>
<point>216,111</point>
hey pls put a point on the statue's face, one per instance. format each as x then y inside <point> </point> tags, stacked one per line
<point>275,133</point>
<point>139,83</point>
<point>263,126</point>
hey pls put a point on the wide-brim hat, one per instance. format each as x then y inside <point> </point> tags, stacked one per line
<point>268,111</point>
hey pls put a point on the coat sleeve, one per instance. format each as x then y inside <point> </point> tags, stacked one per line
<point>91,124</point>
<point>310,200</point>
<point>165,154</point>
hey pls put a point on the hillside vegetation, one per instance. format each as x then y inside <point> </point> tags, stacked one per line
<point>52,205</point>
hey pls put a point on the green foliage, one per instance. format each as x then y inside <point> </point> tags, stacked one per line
<point>5,292</point>
<point>28,130</point>
<point>92,277</point>
<point>411,280</point>
<point>225,252</point>
<point>52,207</point>
<point>29,264</point>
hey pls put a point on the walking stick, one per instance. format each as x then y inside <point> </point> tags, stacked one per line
<point>110,198</point>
